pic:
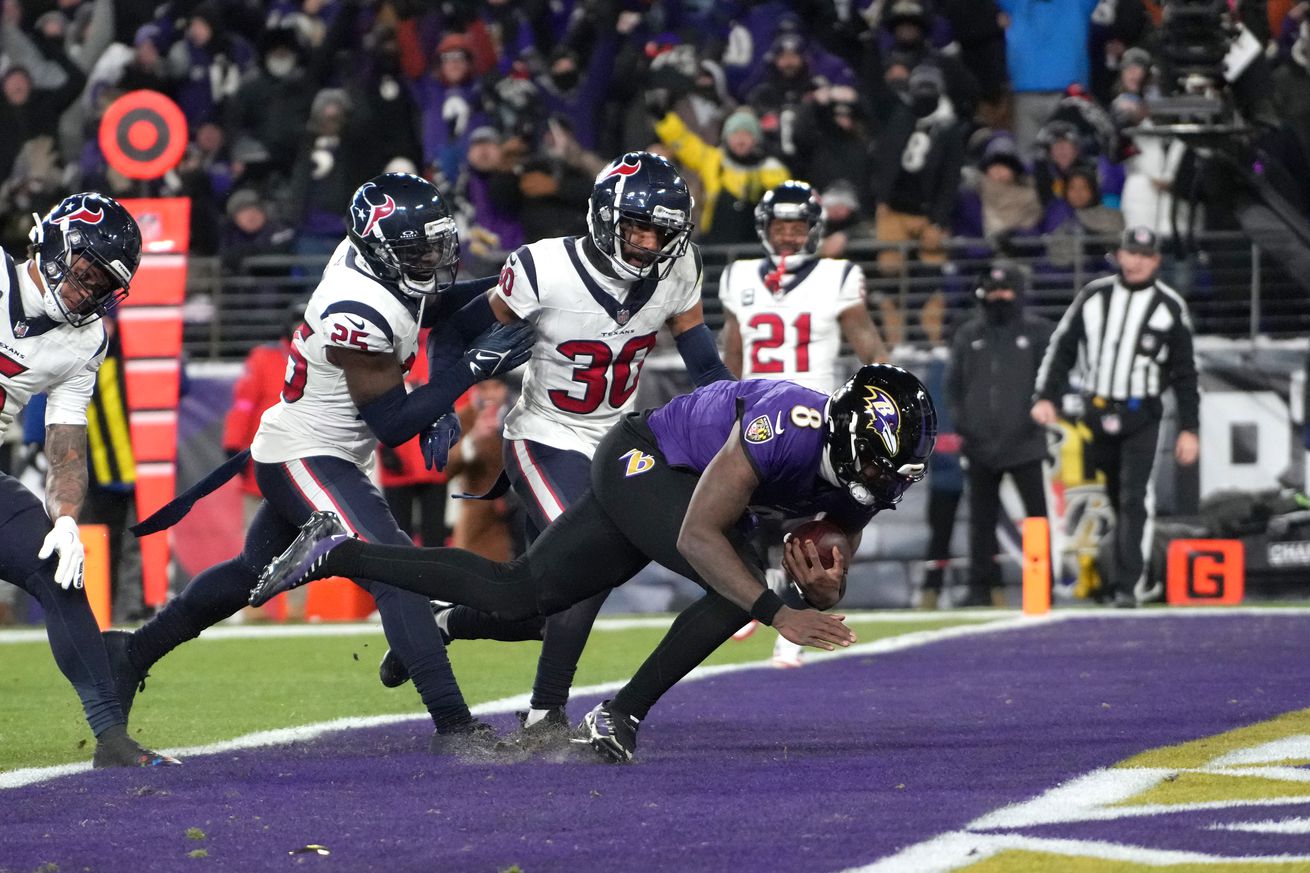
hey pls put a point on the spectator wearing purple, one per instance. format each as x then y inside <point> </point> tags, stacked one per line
<point>449,98</point>
<point>1046,49</point>
<point>206,65</point>
<point>1008,205</point>
<point>147,69</point>
<point>490,189</point>
<point>751,28</point>
<point>569,91</point>
<point>790,32</point>
<point>1080,214</point>
<point>1060,147</point>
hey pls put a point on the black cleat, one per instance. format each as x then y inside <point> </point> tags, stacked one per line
<point>114,748</point>
<point>128,680</point>
<point>391,672</point>
<point>549,733</point>
<point>320,534</point>
<point>472,739</point>
<point>611,734</point>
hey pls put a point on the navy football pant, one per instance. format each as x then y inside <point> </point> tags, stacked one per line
<point>547,480</point>
<point>69,624</point>
<point>291,492</point>
<point>630,517</point>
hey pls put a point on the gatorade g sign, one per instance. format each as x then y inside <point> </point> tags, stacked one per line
<point>1205,573</point>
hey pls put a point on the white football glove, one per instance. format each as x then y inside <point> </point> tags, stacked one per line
<point>64,539</point>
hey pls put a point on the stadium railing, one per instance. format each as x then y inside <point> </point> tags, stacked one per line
<point>1233,287</point>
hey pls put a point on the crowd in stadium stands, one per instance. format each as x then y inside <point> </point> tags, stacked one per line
<point>919,119</point>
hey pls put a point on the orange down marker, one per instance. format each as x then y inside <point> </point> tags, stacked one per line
<point>95,570</point>
<point>1036,566</point>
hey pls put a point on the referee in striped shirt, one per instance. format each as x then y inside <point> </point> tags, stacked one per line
<point>1124,340</point>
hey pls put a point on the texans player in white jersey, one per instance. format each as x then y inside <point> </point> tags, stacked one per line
<point>785,314</point>
<point>344,391</point>
<point>597,303</point>
<point>80,262</point>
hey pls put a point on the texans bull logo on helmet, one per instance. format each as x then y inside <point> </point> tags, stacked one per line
<point>377,212</point>
<point>886,418</point>
<point>626,167</point>
<point>83,214</point>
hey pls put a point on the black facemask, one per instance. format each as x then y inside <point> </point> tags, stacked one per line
<point>923,104</point>
<point>1000,311</point>
<point>566,80</point>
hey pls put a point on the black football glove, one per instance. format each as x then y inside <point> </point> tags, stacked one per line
<point>500,349</point>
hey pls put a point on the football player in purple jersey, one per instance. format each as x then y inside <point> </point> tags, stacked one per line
<point>676,485</point>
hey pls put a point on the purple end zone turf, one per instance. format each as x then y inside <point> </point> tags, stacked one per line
<point>822,768</point>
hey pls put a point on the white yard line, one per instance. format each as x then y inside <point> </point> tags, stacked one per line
<point>618,623</point>
<point>302,733</point>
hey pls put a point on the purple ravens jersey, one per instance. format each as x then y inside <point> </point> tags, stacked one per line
<point>782,433</point>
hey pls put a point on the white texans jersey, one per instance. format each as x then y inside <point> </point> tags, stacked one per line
<point>792,333</point>
<point>38,354</point>
<point>593,335</point>
<point>315,416</point>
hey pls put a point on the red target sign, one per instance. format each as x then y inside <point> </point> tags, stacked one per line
<point>143,134</point>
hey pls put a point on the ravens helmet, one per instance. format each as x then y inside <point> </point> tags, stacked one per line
<point>88,245</point>
<point>644,189</point>
<point>401,226</point>
<point>791,201</point>
<point>881,428</point>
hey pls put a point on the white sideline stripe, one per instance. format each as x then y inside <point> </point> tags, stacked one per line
<point>282,736</point>
<point>1281,826</point>
<point>954,850</point>
<point>350,629</point>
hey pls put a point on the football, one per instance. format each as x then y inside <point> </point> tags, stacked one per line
<point>825,535</point>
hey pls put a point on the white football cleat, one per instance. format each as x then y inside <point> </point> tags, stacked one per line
<point>787,655</point>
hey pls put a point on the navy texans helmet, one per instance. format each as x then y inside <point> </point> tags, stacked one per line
<point>791,201</point>
<point>644,189</point>
<point>881,428</point>
<point>87,249</point>
<point>401,226</point>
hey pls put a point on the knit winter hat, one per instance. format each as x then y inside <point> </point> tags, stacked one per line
<point>742,119</point>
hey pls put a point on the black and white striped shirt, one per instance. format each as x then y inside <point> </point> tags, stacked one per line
<point>1124,344</point>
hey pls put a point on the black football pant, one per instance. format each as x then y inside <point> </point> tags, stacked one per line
<point>942,505</point>
<point>69,624</point>
<point>1127,462</point>
<point>600,541</point>
<point>291,492</point>
<point>985,512</point>
<point>547,480</point>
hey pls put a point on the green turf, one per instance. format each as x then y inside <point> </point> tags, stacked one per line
<point>211,690</point>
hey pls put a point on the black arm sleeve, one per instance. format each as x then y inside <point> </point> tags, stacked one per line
<point>696,345</point>
<point>459,296</point>
<point>397,417</point>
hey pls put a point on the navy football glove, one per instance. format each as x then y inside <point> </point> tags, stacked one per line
<point>500,349</point>
<point>437,440</point>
